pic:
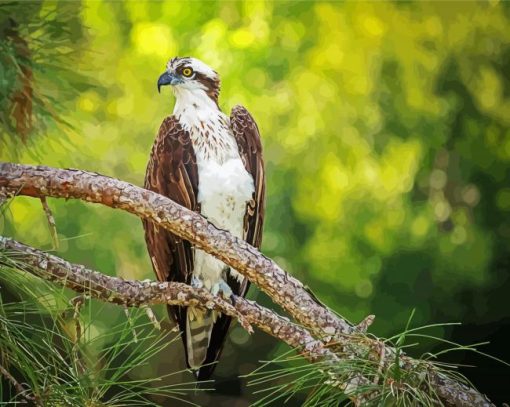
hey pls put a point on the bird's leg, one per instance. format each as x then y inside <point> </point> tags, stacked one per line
<point>196,282</point>
<point>223,288</point>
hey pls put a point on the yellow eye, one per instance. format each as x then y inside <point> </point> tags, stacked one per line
<point>187,72</point>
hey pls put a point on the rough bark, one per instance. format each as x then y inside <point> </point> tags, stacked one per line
<point>285,290</point>
<point>133,293</point>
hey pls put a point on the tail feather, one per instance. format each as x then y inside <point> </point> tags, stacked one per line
<point>199,326</point>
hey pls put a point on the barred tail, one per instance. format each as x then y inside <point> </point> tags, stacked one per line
<point>199,326</point>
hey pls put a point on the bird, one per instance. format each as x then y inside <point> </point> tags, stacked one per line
<point>212,164</point>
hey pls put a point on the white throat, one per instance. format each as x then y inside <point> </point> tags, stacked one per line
<point>194,101</point>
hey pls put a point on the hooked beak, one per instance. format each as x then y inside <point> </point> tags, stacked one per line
<point>167,79</point>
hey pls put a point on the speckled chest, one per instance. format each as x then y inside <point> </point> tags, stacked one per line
<point>222,177</point>
<point>213,140</point>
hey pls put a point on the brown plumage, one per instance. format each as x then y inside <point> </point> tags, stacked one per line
<point>172,171</point>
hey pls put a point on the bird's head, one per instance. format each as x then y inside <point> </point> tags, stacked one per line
<point>191,75</point>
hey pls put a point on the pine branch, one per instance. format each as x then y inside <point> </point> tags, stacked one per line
<point>25,393</point>
<point>285,290</point>
<point>288,292</point>
<point>133,293</point>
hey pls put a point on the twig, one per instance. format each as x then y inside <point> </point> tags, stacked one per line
<point>152,317</point>
<point>381,363</point>
<point>51,223</point>
<point>18,387</point>
<point>365,324</point>
<point>77,303</point>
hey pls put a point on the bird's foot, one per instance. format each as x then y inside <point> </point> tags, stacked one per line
<point>196,282</point>
<point>223,289</point>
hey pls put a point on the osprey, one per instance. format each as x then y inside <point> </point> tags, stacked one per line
<point>212,164</point>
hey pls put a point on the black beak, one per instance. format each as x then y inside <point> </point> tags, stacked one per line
<point>166,79</point>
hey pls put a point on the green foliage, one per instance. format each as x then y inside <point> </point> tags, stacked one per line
<point>64,359</point>
<point>279,380</point>
<point>40,47</point>
<point>386,136</point>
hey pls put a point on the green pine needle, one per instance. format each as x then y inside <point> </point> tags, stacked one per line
<point>39,347</point>
<point>289,375</point>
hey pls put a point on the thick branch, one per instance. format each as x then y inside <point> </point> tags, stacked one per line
<point>283,289</point>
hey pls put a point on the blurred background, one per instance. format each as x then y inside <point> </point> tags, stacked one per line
<point>386,132</point>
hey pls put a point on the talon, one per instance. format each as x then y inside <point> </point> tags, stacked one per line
<point>233,299</point>
<point>196,282</point>
<point>224,288</point>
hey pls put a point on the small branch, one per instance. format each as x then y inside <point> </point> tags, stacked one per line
<point>132,293</point>
<point>365,324</point>
<point>152,317</point>
<point>17,386</point>
<point>77,303</point>
<point>51,222</point>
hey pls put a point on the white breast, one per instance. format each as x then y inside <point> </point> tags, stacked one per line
<point>224,185</point>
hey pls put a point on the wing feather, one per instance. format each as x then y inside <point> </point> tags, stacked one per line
<point>248,140</point>
<point>247,135</point>
<point>172,172</point>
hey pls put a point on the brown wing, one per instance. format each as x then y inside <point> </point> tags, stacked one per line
<point>172,172</point>
<point>247,136</point>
